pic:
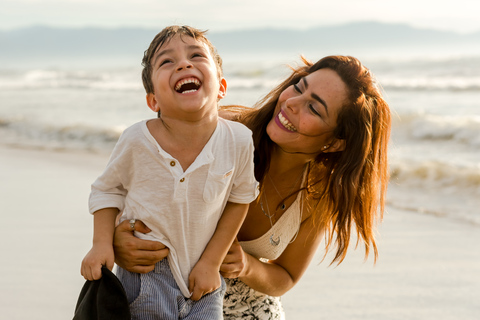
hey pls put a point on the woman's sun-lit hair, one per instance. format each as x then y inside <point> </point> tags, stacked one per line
<point>345,189</point>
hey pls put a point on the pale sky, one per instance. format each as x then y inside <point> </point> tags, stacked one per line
<point>215,15</point>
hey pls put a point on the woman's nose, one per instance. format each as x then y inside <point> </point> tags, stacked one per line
<point>293,104</point>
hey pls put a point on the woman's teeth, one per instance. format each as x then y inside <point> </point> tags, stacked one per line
<point>286,123</point>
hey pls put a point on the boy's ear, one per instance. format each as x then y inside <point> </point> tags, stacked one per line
<point>223,89</point>
<point>336,146</point>
<point>152,102</point>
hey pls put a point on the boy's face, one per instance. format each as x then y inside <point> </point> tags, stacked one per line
<point>185,80</point>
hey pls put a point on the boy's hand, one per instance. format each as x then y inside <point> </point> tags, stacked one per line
<point>98,256</point>
<point>203,279</point>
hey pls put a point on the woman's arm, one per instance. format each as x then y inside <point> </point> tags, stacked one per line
<point>276,277</point>
<point>134,254</point>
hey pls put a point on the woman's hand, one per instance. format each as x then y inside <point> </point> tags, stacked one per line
<point>134,254</point>
<point>235,263</point>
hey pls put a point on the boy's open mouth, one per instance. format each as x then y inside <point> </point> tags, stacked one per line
<point>187,85</point>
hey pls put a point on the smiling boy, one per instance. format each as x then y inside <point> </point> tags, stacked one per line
<point>188,175</point>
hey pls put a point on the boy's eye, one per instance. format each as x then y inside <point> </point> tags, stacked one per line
<point>165,62</point>
<point>195,55</point>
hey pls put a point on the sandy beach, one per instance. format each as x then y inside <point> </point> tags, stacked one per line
<point>428,268</point>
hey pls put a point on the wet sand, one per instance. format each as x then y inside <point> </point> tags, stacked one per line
<point>428,268</point>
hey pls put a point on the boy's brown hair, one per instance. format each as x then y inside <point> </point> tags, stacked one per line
<point>166,35</point>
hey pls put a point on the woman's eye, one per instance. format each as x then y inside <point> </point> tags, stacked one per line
<point>296,88</point>
<point>312,108</point>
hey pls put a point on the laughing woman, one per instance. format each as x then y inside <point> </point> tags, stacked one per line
<point>321,143</point>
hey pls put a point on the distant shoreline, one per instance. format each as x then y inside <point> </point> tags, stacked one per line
<point>129,42</point>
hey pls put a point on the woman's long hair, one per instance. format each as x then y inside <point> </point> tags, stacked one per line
<point>344,188</point>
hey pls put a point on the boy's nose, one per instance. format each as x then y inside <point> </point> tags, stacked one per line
<point>184,65</point>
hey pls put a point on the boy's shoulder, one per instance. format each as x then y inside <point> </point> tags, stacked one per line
<point>139,126</point>
<point>136,126</point>
<point>240,134</point>
<point>236,127</point>
<point>133,131</point>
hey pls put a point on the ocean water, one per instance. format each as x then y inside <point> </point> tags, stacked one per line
<point>434,150</point>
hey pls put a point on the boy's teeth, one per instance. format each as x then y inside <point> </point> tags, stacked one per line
<point>286,123</point>
<point>183,82</point>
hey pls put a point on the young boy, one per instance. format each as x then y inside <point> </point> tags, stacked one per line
<point>188,175</point>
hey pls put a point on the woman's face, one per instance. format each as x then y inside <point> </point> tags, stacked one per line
<point>306,113</point>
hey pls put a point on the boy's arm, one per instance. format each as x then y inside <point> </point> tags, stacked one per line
<point>205,276</point>
<point>102,249</point>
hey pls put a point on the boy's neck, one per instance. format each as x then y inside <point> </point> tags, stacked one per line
<point>183,139</point>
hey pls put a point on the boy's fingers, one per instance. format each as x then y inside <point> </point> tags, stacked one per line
<point>83,273</point>
<point>88,274</point>
<point>191,285</point>
<point>91,273</point>
<point>109,265</point>
<point>196,295</point>
<point>97,273</point>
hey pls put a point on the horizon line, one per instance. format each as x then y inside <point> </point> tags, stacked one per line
<point>212,30</point>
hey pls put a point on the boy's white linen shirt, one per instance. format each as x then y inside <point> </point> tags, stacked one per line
<point>181,208</point>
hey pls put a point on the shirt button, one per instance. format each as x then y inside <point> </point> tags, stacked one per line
<point>183,179</point>
<point>172,163</point>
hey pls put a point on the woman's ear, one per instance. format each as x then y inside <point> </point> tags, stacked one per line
<point>223,89</point>
<point>336,146</point>
<point>152,102</point>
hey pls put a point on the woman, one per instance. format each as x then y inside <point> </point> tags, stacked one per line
<point>321,159</point>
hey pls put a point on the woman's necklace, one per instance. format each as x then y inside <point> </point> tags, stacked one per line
<point>283,206</point>
<point>275,241</point>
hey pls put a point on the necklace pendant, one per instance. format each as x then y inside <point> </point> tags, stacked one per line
<point>274,242</point>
